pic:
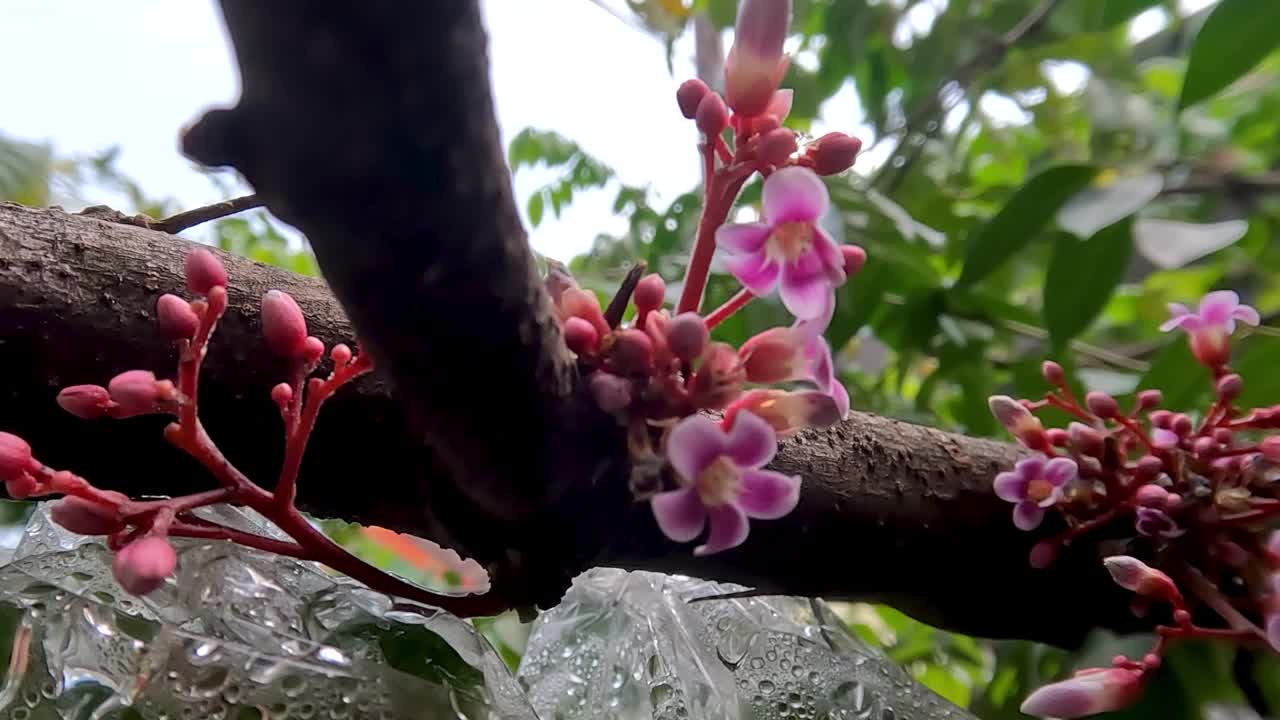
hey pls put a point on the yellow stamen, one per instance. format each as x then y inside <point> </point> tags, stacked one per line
<point>718,483</point>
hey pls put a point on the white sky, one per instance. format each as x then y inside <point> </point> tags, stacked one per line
<point>88,75</point>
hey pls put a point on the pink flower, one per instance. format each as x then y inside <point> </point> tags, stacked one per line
<point>788,250</point>
<point>1088,692</point>
<point>787,412</point>
<point>756,64</point>
<point>1035,484</point>
<point>799,352</point>
<point>1210,327</point>
<point>722,482</point>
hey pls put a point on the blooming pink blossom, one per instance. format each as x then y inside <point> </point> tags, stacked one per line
<point>799,352</point>
<point>1088,692</point>
<point>1035,484</point>
<point>722,482</point>
<point>1211,326</point>
<point>788,250</point>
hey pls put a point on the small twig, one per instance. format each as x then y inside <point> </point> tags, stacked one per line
<point>175,224</point>
<point>618,305</point>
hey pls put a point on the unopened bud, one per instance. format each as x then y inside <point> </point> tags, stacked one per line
<point>854,258</point>
<point>1181,424</point>
<point>611,393</point>
<point>1058,437</point>
<point>687,336</point>
<point>1086,440</point>
<point>1151,496</point>
<point>1053,373</point>
<point>1205,446</point>
<point>1270,447</point>
<point>135,392</point>
<point>1229,387</point>
<point>15,456</point>
<point>1148,468</point>
<point>341,354</point>
<point>776,146</point>
<point>650,293</point>
<point>786,412</point>
<point>21,486</point>
<point>755,64</point>
<point>1101,404</point>
<point>85,517</point>
<point>555,283</point>
<point>283,326</point>
<point>772,356</point>
<point>1019,421</point>
<point>712,117</point>
<point>632,352</point>
<point>1044,554</point>
<point>282,395</point>
<point>1231,554</point>
<point>204,272</point>
<point>175,317</point>
<point>576,302</point>
<point>1162,418</point>
<point>689,94</point>
<point>718,380</point>
<point>88,402</point>
<point>1088,692</point>
<point>1136,576</point>
<point>312,350</point>
<point>1148,399</point>
<point>834,153</point>
<point>580,336</point>
<point>142,566</point>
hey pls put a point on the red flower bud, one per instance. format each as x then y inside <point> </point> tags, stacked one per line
<point>135,392</point>
<point>580,336</point>
<point>718,380</point>
<point>88,402</point>
<point>776,146</point>
<point>611,393</point>
<point>283,326</point>
<point>1087,440</point>
<point>282,395</point>
<point>1058,437</point>
<point>175,317</point>
<point>1148,399</point>
<point>1270,447</point>
<point>1229,387</point>
<point>632,352</point>
<point>1161,418</point>
<point>833,153</point>
<point>687,336</point>
<point>84,516</point>
<point>854,258</point>
<point>21,486</point>
<point>576,302</point>
<point>15,456</point>
<point>1181,424</point>
<point>1134,575</point>
<point>1053,373</point>
<point>1101,404</point>
<point>650,293</point>
<point>142,566</point>
<point>312,350</point>
<point>1152,496</point>
<point>1019,421</point>
<point>755,64</point>
<point>689,94</point>
<point>713,116</point>
<point>773,356</point>
<point>204,272</point>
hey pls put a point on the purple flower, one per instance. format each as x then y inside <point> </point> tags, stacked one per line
<point>1212,325</point>
<point>1035,484</point>
<point>787,249</point>
<point>1156,523</point>
<point>722,481</point>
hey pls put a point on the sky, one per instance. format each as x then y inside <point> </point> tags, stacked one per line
<point>88,75</point>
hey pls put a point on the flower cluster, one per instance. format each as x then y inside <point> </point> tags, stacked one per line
<point>1195,493</point>
<point>659,373</point>
<point>138,531</point>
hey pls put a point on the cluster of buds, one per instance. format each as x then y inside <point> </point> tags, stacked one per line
<point>659,373</point>
<point>1195,493</point>
<point>138,531</point>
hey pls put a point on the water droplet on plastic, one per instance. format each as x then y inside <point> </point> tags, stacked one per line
<point>766,687</point>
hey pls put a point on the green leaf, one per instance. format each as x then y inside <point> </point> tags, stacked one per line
<point>1081,277</point>
<point>1021,219</point>
<point>1234,39</point>
<point>1175,372</point>
<point>1115,12</point>
<point>535,208</point>
<point>1256,361</point>
<point>425,654</point>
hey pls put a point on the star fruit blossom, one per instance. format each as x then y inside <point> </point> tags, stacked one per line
<point>1212,325</point>
<point>722,482</point>
<point>787,249</point>
<point>1035,484</point>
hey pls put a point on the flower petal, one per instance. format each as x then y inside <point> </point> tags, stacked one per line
<point>728,529</point>
<point>768,495</point>
<point>780,104</point>
<point>1010,487</point>
<point>1190,323</point>
<point>1030,468</point>
<point>1216,307</point>
<point>743,237</point>
<point>757,272</point>
<point>680,513</point>
<point>794,194</point>
<point>1246,314</point>
<point>1051,499</point>
<point>1273,632</point>
<point>1060,471</point>
<point>1027,515</point>
<point>804,295</point>
<point>751,442</point>
<point>693,444</point>
<point>841,397</point>
<point>828,251</point>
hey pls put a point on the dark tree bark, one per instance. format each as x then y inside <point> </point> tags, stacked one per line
<point>890,511</point>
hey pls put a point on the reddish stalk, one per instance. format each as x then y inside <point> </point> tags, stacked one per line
<point>730,306</point>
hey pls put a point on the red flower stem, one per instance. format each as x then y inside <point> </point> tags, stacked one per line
<point>722,149</point>
<point>182,528</point>
<point>731,306</point>
<point>1230,452</point>
<point>1069,406</point>
<point>296,446</point>
<point>1250,516</point>
<point>722,190</point>
<point>192,356</point>
<point>1138,431</point>
<point>1107,516</point>
<point>177,505</point>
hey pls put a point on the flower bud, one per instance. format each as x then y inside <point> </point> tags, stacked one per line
<point>1086,440</point>
<point>341,354</point>
<point>312,350</point>
<point>833,153</point>
<point>282,395</point>
<point>21,486</point>
<point>1270,447</point>
<point>1205,446</point>
<point>1053,373</point>
<point>88,402</point>
<point>611,393</point>
<point>689,95</point>
<point>632,352</point>
<point>1211,346</point>
<point>755,64</point>
<point>1101,404</point>
<point>1058,437</point>
<point>687,336</point>
<point>1229,387</point>
<point>1151,496</point>
<point>175,317</point>
<point>84,516</point>
<point>776,112</point>
<point>1148,399</point>
<point>204,272</point>
<point>135,392</point>
<point>580,336</point>
<point>786,412</point>
<point>1230,553</point>
<point>142,566</point>
<point>718,380</point>
<point>576,302</point>
<point>760,124</point>
<point>854,258</point>
<point>650,293</point>
<point>15,456</point>
<point>712,117</point>
<point>773,356</point>
<point>1181,424</point>
<point>1136,576</point>
<point>1019,421</point>
<point>1044,554</point>
<point>555,283</point>
<point>1161,418</point>
<point>776,146</point>
<point>283,326</point>
<point>1088,692</point>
